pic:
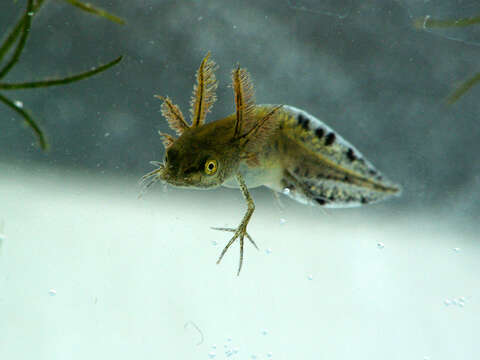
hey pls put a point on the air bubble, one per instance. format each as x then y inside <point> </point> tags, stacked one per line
<point>18,104</point>
<point>236,350</point>
<point>211,355</point>
<point>310,277</point>
<point>264,332</point>
<point>52,292</point>
<point>380,245</point>
<point>282,221</point>
<point>269,355</point>
<point>253,356</point>
<point>456,249</point>
<point>447,302</point>
<point>286,191</point>
<point>107,134</point>
<point>268,251</point>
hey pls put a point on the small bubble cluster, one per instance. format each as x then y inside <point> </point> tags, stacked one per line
<point>230,352</point>
<point>455,301</point>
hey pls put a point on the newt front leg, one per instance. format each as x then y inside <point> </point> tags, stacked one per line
<point>241,230</point>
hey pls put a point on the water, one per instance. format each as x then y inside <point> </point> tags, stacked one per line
<point>89,271</point>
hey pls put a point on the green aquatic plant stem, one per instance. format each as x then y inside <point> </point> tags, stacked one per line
<point>428,22</point>
<point>62,81</point>
<point>463,88</point>
<point>21,43</point>
<point>17,29</point>
<point>22,30</point>
<point>13,35</point>
<point>28,119</point>
<point>95,10</point>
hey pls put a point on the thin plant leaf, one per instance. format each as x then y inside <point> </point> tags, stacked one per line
<point>463,88</point>
<point>95,10</point>
<point>17,29</point>
<point>62,81</point>
<point>28,119</point>
<point>22,29</point>
<point>21,42</point>
<point>428,22</point>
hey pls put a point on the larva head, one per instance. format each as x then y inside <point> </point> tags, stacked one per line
<point>205,155</point>
<point>202,157</point>
<point>193,159</point>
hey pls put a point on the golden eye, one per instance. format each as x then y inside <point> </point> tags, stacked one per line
<point>211,167</point>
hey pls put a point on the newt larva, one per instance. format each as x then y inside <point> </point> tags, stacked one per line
<point>277,146</point>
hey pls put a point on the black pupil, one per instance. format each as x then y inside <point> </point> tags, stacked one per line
<point>210,166</point>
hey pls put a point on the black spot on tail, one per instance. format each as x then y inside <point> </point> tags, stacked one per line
<point>330,139</point>
<point>305,124</point>
<point>321,201</point>
<point>303,121</point>
<point>319,132</point>
<point>351,155</point>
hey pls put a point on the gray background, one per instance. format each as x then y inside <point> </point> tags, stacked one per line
<point>127,272</point>
<point>358,65</point>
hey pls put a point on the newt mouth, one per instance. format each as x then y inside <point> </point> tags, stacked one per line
<point>163,175</point>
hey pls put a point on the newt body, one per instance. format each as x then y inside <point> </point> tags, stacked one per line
<point>278,146</point>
